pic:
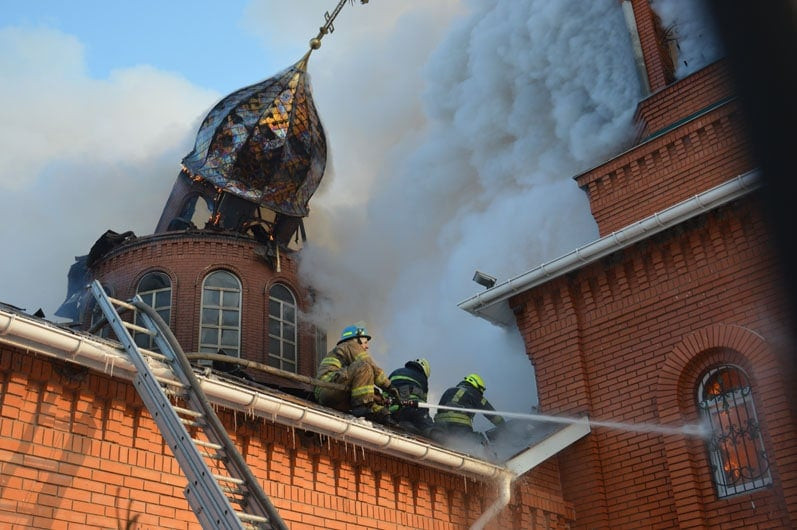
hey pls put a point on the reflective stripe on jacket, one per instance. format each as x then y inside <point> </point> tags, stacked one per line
<point>342,356</point>
<point>464,395</point>
<point>410,382</point>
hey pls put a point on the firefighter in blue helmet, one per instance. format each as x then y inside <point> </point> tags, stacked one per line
<point>468,394</point>
<point>412,383</point>
<point>350,364</point>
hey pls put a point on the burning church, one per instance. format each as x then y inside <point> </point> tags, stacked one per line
<point>646,325</point>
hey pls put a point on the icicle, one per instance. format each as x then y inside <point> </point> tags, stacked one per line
<point>293,437</point>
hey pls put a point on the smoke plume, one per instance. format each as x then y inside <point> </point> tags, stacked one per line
<point>517,98</point>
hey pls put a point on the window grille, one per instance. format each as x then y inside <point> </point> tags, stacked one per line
<point>155,290</point>
<point>220,327</point>
<point>282,328</point>
<point>738,459</point>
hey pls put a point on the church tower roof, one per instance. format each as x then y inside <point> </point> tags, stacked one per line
<point>264,143</point>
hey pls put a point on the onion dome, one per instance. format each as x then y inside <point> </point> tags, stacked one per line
<point>264,143</point>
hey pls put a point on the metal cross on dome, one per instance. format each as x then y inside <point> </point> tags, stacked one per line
<point>265,143</point>
<point>315,42</point>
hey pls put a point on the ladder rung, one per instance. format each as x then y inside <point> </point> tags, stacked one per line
<point>191,423</point>
<point>251,517</point>
<point>228,479</point>
<point>233,490</point>
<point>140,329</point>
<point>209,445</point>
<point>171,382</point>
<point>155,355</point>
<point>122,303</point>
<point>187,412</point>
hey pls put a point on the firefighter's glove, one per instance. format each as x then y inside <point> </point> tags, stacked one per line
<point>393,391</point>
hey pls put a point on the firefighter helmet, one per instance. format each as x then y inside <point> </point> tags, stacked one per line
<point>422,363</point>
<point>476,381</point>
<point>353,332</point>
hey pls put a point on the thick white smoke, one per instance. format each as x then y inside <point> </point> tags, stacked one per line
<point>521,96</point>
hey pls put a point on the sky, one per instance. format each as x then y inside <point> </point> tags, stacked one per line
<point>454,130</point>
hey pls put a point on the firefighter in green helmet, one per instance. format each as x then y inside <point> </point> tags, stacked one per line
<point>350,364</point>
<point>468,394</point>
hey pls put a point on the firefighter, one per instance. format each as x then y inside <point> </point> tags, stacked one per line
<point>468,394</point>
<point>350,364</point>
<point>412,383</point>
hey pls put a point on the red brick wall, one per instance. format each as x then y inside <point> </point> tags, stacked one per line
<point>625,340</point>
<point>670,168</point>
<point>696,93</point>
<point>188,258</point>
<point>78,450</point>
<point>655,56</point>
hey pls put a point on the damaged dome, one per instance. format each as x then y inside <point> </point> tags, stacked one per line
<point>264,143</point>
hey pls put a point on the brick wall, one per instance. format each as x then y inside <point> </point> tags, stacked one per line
<point>697,155</point>
<point>188,258</point>
<point>689,96</point>
<point>657,63</point>
<point>79,450</point>
<point>626,339</point>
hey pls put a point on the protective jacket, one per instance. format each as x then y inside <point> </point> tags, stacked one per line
<point>411,382</point>
<point>413,385</point>
<point>349,364</point>
<point>465,396</point>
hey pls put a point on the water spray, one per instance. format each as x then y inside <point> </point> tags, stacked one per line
<point>696,429</point>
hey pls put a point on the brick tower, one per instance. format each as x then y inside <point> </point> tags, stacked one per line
<point>676,315</point>
<point>221,266</point>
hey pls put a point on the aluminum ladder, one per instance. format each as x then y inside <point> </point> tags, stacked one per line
<point>221,490</point>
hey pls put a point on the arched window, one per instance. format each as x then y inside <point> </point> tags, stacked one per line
<point>281,328</point>
<point>221,314</point>
<point>155,290</point>
<point>736,449</point>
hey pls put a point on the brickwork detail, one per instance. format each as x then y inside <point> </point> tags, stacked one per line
<point>705,348</point>
<point>668,169</point>
<point>622,339</point>
<point>79,450</point>
<point>187,258</point>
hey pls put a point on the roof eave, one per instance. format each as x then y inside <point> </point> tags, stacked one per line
<point>493,303</point>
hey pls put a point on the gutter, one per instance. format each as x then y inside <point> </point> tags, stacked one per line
<point>40,336</point>
<point>493,304</point>
<point>527,460</point>
<point>108,357</point>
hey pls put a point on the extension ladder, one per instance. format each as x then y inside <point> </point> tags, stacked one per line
<point>218,477</point>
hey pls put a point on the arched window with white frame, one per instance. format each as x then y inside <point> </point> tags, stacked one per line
<point>220,327</point>
<point>736,449</point>
<point>282,334</point>
<point>155,290</point>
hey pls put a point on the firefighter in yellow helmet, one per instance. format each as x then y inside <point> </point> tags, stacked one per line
<point>350,364</point>
<point>468,394</point>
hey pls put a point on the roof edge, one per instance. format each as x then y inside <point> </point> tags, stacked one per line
<point>40,336</point>
<point>492,304</point>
